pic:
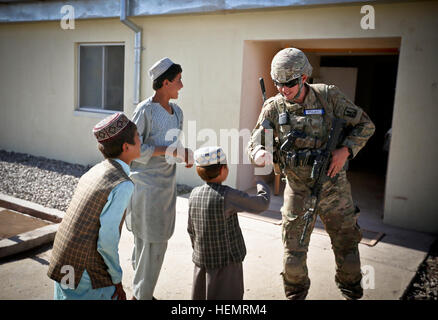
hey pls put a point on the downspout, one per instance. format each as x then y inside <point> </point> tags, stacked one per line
<point>137,48</point>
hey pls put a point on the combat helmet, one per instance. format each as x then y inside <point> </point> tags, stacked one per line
<point>289,64</point>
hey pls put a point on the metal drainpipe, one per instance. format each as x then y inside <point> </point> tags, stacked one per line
<point>137,48</point>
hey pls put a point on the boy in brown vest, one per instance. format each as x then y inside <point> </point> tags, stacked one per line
<point>213,226</point>
<point>85,261</point>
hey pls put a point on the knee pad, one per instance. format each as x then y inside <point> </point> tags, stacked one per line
<point>295,265</point>
<point>351,263</point>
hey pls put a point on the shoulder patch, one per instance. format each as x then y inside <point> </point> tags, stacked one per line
<point>350,112</point>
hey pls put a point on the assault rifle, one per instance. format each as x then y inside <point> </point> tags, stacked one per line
<point>319,171</point>
<point>262,87</point>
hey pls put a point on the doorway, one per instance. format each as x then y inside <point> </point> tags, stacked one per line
<point>374,93</point>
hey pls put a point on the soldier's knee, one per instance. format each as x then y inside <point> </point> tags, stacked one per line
<point>295,265</point>
<point>353,236</point>
<point>347,238</point>
<point>352,262</point>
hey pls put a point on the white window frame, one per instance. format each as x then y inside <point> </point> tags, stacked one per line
<point>94,109</point>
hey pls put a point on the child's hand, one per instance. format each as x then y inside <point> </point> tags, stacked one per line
<point>184,155</point>
<point>188,158</point>
<point>119,293</point>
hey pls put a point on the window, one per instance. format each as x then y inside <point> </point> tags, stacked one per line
<point>101,71</point>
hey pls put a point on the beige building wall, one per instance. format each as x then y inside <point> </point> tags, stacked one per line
<point>38,63</point>
<point>254,52</point>
<point>38,85</point>
<point>412,177</point>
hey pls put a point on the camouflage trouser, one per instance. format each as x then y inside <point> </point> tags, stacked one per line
<point>337,212</point>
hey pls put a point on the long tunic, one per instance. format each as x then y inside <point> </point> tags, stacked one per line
<point>107,245</point>
<point>151,212</point>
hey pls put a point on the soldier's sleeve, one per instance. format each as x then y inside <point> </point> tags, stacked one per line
<point>268,116</point>
<point>359,125</point>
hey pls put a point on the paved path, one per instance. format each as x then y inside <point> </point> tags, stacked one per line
<point>389,266</point>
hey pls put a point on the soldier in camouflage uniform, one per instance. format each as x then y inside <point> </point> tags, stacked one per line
<point>307,110</point>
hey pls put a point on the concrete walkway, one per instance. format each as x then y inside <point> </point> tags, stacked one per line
<point>388,266</point>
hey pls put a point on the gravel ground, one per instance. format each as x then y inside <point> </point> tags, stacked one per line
<point>48,182</point>
<point>51,183</point>
<point>424,286</point>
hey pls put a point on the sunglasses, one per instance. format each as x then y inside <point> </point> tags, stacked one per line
<point>289,84</point>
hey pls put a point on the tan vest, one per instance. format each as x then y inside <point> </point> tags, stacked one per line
<point>316,126</point>
<point>76,240</point>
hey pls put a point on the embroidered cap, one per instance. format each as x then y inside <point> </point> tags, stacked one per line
<point>110,126</point>
<point>208,156</point>
<point>159,68</point>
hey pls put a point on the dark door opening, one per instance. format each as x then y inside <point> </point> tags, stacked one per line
<point>375,91</point>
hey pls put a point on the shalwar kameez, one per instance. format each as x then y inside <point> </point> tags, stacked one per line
<point>151,213</point>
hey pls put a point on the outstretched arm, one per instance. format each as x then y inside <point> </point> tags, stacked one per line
<point>239,201</point>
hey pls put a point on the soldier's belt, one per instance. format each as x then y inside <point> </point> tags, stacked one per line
<point>300,158</point>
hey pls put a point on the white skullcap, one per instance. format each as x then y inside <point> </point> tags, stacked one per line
<point>208,156</point>
<point>159,68</point>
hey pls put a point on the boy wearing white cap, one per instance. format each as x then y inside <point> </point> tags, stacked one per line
<point>151,213</point>
<point>213,226</point>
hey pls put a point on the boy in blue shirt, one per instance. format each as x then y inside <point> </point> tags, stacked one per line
<point>85,260</point>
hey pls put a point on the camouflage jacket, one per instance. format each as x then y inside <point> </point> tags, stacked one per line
<point>313,117</point>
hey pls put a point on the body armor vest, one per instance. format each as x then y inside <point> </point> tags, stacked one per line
<point>305,129</point>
